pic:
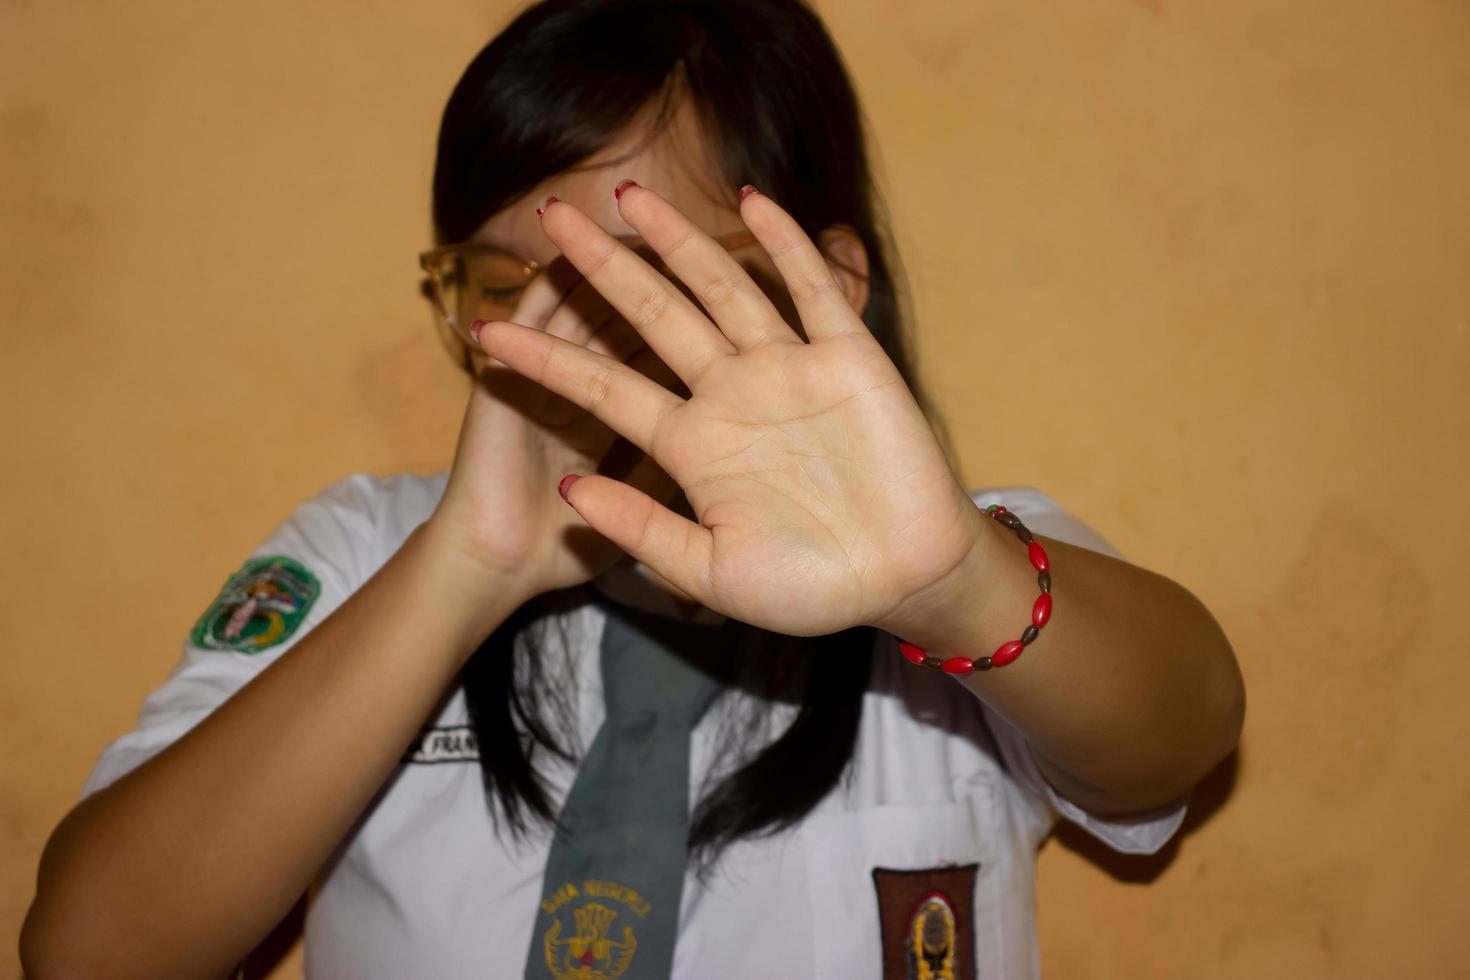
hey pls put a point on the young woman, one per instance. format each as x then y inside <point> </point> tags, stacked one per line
<point>660,723</point>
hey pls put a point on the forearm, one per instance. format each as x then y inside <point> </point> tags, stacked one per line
<point>181,866</point>
<point>1129,694</point>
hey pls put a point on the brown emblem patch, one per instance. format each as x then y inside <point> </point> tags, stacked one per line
<point>926,916</point>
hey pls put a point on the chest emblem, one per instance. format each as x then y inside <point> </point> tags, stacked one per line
<point>600,947</point>
<point>260,606</point>
<point>927,919</point>
<point>931,939</point>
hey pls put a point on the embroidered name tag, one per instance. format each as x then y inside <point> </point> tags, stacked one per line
<point>927,917</point>
<point>453,744</point>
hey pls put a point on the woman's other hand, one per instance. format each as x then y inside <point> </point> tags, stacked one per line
<point>517,440</point>
<point>823,498</point>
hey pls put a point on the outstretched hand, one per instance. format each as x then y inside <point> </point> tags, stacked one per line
<point>823,498</point>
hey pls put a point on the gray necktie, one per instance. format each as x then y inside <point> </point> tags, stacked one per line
<point>610,899</point>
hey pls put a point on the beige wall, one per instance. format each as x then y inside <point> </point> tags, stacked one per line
<point>1196,269</point>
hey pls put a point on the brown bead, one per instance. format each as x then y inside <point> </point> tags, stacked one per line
<point>1029,633</point>
<point>1024,535</point>
<point>983,663</point>
<point>933,661</point>
<point>1009,520</point>
<point>1043,581</point>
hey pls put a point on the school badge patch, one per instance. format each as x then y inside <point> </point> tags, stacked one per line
<point>927,917</point>
<point>600,948</point>
<point>260,606</point>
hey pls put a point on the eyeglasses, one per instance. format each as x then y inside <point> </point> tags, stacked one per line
<point>470,281</point>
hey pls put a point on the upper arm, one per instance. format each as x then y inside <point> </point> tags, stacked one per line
<point>292,581</point>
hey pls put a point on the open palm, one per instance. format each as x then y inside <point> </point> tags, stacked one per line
<point>823,499</point>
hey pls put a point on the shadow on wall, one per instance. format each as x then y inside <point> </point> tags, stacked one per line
<point>1209,795</point>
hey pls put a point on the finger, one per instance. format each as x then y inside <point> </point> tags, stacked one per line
<point>650,478</point>
<point>546,292</point>
<point>743,311</point>
<point>673,546</point>
<point>626,401</point>
<point>820,301</point>
<point>615,339</point>
<point>573,318</point>
<point>643,360</point>
<point>585,318</point>
<point>673,326</point>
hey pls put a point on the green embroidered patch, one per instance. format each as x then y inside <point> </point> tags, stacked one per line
<point>261,605</point>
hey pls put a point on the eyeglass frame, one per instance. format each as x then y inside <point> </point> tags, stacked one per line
<point>430,259</point>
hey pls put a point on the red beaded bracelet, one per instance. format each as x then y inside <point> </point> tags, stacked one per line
<point>1040,610</point>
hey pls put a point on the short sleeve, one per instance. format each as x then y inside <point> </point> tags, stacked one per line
<point>1141,833</point>
<point>303,571</point>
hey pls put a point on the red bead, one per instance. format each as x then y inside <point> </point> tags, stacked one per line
<point>958,665</point>
<point>1041,610</point>
<point>1006,652</point>
<point>1037,554</point>
<point>913,654</point>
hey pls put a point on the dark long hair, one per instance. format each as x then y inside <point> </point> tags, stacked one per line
<point>773,97</point>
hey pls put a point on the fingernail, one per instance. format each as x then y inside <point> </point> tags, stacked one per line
<point>622,186</point>
<point>546,204</point>
<point>746,191</point>
<point>478,325</point>
<point>566,484</point>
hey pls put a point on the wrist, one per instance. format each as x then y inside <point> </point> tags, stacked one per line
<point>980,604</point>
<point>467,585</point>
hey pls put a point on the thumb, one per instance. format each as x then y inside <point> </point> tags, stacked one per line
<point>673,546</point>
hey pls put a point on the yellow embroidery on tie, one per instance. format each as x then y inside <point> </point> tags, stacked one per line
<point>590,954</point>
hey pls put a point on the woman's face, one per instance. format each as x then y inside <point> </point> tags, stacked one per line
<point>678,165</point>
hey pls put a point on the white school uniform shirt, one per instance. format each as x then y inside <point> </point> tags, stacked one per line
<point>424,887</point>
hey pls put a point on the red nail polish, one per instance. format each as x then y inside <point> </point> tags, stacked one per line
<point>548,203</point>
<point>566,484</point>
<point>475,329</point>
<point>622,186</point>
<point>746,191</point>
